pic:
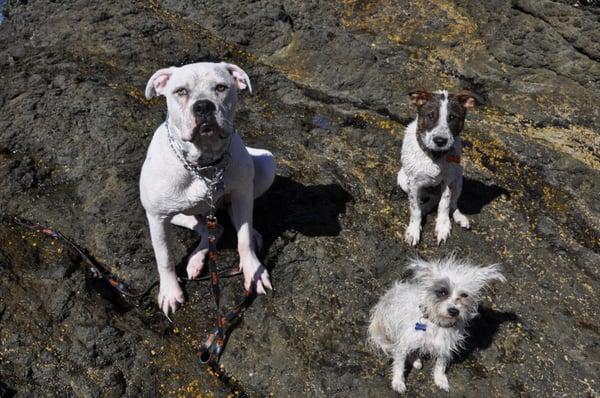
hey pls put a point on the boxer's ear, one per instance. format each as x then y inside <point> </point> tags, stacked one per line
<point>158,81</point>
<point>241,79</point>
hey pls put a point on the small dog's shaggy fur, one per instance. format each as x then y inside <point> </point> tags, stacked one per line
<point>428,315</point>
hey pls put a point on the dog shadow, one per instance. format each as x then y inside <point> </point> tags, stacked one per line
<point>480,334</point>
<point>6,392</point>
<point>482,331</point>
<point>476,195</point>
<point>292,207</point>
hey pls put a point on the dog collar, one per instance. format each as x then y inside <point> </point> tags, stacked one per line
<point>218,166</point>
<point>421,326</point>
<point>453,159</point>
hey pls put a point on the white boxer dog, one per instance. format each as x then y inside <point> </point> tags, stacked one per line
<point>196,158</point>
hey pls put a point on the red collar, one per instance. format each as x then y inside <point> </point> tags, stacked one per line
<point>453,159</point>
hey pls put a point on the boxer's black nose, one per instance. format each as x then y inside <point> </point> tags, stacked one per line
<point>203,108</point>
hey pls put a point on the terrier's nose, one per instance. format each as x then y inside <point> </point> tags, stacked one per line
<point>203,107</point>
<point>440,141</point>
<point>453,311</point>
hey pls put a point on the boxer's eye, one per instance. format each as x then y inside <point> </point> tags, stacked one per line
<point>221,87</point>
<point>181,91</point>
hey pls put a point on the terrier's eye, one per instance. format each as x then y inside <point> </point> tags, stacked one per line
<point>451,117</point>
<point>430,116</point>
<point>181,91</point>
<point>221,87</point>
<point>464,295</point>
<point>441,292</point>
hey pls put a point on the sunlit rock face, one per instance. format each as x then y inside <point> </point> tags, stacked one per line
<point>330,100</point>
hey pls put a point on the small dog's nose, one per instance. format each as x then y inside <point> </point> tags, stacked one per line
<point>440,141</point>
<point>453,311</point>
<point>203,107</point>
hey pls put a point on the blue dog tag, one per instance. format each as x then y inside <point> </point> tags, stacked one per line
<point>420,326</point>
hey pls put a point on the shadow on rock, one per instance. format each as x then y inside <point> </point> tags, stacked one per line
<point>476,195</point>
<point>312,210</point>
<point>483,329</point>
<point>6,392</point>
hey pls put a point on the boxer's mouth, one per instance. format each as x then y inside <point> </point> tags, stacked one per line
<point>205,129</point>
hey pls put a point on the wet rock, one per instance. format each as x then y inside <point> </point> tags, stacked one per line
<point>330,101</point>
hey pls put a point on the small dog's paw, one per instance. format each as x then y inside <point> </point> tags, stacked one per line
<point>417,364</point>
<point>461,219</point>
<point>442,230</point>
<point>255,274</point>
<point>170,295</point>
<point>398,385</point>
<point>412,234</point>
<point>442,382</point>
<point>196,263</point>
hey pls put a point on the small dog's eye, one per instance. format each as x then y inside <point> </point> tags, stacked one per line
<point>430,116</point>
<point>464,295</point>
<point>221,87</point>
<point>451,117</point>
<point>441,292</point>
<point>181,91</point>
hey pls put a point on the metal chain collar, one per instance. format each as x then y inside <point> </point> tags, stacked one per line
<point>214,182</point>
<point>210,351</point>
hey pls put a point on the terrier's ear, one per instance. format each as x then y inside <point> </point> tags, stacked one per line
<point>419,97</point>
<point>158,81</point>
<point>421,269</point>
<point>491,273</point>
<point>241,79</point>
<point>466,98</point>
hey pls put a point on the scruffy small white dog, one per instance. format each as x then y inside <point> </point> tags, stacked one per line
<point>428,315</point>
<point>431,152</point>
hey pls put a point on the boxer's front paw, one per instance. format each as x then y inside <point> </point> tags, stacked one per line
<point>170,295</point>
<point>255,274</point>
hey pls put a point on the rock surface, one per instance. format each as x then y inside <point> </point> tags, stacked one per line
<point>330,80</point>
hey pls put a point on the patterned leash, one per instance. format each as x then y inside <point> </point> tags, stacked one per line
<point>96,269</point>
<point>100,271</point>
<point>210,351</point>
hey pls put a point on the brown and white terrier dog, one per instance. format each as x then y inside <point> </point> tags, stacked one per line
<point>431,172</point>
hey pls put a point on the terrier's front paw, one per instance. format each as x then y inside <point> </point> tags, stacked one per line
<point>255,274</point>
<point>398,385</point>
<point>412,234</point>
<point>442,382</point>
<point>442,229</point>
<point>170,295</point>
<point>196,263</point>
